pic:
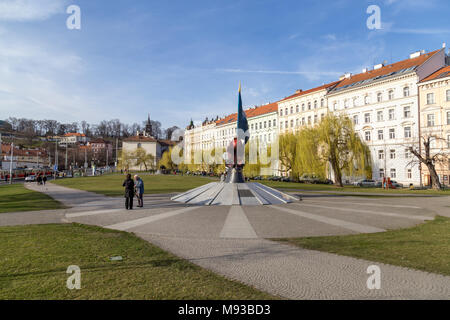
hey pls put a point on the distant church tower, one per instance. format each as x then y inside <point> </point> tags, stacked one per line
<point>148,129</point>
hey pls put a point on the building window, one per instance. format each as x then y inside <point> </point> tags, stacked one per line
<point>367,136</point>
<point>430,98</point>
<point>296,122</point>
<point>409,174</point>
<point>448,117</point>
<point>281,125</point>
<point>260,125</point>
<point>297,109</point>
<point>380,134</point>
<point>406,91</point>
<point>380,116</point>
<point>322,102</point>
<point>335,106</point>
<point>380,154</point>
<point>355,119</point>
<point>265,124</point>
<point>346,103</point>
<point>322,115</point>
<point>367,117</point>
<point>430,120</point>
<point>281,112</point>
<point>391,114</point>
<point>379,97</point>
<point>286,111</point>
<point>309,105</point>
<point>407,132</point>
<point>286,124</point>
<point>366,100</point>
<point>292,123</point>
<point>316,118</point>
<point>393,173</point>
<point>407,153</point>
<point>269,123</point>
<point>315,104</point>
<point>391,94</point>
<point>309,120</point>
<point>391,133</point>
<point>252,126</point>
<point>274,122</point>
<point>448,95</point>
<point>303,121</point>
<point>448,141</point>
<point>381,173</point>
<point>292,109</point>
<point>303,107</point>
<point>407,112</point>
<point>392,154</point>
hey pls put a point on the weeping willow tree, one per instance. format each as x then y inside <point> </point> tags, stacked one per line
<point>259,163</point>
<point>342,148</point>
<point>288,152</point>
<point>309,160</point>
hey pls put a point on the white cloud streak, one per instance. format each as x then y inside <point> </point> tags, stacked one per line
<point>30,10</point>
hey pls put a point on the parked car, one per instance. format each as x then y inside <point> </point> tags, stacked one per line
<point>257,178</point>
<point>286,179</point>
<point>396,184</point>
<point>367,183</point>
<point>275,178</point>
<point>30,179</point>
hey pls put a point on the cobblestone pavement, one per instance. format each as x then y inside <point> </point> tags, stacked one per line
<point>233,240</point>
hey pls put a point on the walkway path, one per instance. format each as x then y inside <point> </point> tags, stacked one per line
<point>232,241</point>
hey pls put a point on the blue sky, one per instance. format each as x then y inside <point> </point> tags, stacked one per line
<point>181,59</point>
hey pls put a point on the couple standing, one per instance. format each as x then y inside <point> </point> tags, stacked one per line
<point>133,188</point>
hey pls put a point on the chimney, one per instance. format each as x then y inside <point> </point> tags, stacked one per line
<point>365,70</point>
<point>415,54</point>
<point>348,75</point>
<point>378,66</point>
<point>299,91</point>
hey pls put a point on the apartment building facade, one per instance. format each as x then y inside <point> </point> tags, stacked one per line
<point>304,108</point>
<point>434,104</point>
<point>383,104</point>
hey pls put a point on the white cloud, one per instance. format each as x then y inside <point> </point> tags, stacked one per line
<point>28,10</point>
<point>317,73</point>
<point>39,81</point>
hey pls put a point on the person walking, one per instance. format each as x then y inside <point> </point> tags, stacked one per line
<point>129,192</point>
<point>139,186</point>
<point>44,179</point>
<point>39,179</point>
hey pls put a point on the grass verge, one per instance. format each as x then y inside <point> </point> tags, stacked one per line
<point>34,260</point>
<point>111,185</point>
<point>16,197</point>
<point>425,247</point>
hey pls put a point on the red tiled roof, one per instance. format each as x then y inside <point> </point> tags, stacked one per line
<point>250,113</point>
<point>6,150</point>
<point>441,73</point>
<point>301,93</point>
<point>76,134</point>
<point>386,70</point>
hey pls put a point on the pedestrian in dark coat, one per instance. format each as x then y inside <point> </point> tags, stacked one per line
<point>44,180</point>
<point>129,192</point>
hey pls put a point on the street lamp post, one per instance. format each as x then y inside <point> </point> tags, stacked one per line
<point>11,163</point>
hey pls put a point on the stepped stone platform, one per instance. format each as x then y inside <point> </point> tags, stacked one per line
<point>232,194</point>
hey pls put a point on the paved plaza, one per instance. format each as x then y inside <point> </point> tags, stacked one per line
<point>234,240</point>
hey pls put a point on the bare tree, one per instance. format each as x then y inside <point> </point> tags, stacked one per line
<point>431,155</point>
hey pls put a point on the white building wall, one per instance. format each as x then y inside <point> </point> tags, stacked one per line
<point>391,114</point>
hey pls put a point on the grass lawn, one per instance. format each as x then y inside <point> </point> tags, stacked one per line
<point>34,260</point>
<point>111,185</point>
<point>16,197</point>
<point>425,247</point>
<point>334,189</point>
